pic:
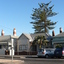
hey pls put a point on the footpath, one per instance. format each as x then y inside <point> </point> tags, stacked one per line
<point>9,61</point>
<point>17,59</point>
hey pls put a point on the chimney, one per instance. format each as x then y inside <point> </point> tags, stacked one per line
<point>60,30</point>
<point>14,32</point>
<point>53,33</point>
<point>2,33</point>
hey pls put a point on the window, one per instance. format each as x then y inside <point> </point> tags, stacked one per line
<point>20,47</point>
<point>48,50</point>
<point>23,47</point>
<point>40,50</point>
<point>0,46</point>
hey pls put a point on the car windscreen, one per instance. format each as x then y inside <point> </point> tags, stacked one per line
<point>40,50</point>
<point>48,50</point>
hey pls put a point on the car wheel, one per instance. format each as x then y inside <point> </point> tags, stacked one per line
<point>39,56</point>
<point>47,56</point>
<point>59,57</point>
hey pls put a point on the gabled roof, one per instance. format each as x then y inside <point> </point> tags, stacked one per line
<point>60,35</point>
<point>7,37</point>
<point>28,36</point>
<point>40,34</point>
<point>32,36</point>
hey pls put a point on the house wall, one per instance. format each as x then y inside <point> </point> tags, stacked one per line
<point>58,40</point>
<point>6,44</point>
<point>23,44</point>
<point>15,44</point>
<point>2,52</point>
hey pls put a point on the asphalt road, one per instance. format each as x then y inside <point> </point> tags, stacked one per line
<point>45,61</point>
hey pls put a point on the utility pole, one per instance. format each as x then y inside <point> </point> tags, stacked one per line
<point>12,48</point>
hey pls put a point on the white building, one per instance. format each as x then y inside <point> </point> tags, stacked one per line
<point>5,42</point>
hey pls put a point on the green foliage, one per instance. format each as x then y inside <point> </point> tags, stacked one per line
<point>40,16</point>
<point>40,40</point>
<point>58,46</point>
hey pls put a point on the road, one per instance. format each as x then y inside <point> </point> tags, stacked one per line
<point>35,60</point>
<point>42,62</point>
<point>45,61</point>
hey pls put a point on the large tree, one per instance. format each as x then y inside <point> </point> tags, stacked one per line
<point>41,16</point>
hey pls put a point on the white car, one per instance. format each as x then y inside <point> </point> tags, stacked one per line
<point>46,52</point>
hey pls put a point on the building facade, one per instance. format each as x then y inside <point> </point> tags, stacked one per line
<point>6,42</point>
<point>58,40</point>
<point>25,41</point>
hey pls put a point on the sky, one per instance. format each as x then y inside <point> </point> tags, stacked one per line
<point>17,14</point>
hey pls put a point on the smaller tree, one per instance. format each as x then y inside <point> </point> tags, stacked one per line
<point>40,41</point>
<point>58,46</point>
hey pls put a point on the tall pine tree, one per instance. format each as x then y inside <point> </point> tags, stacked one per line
<point>41,15</point>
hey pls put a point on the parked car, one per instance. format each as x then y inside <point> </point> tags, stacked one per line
<point>46,52</point>
<point>59,52</point>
